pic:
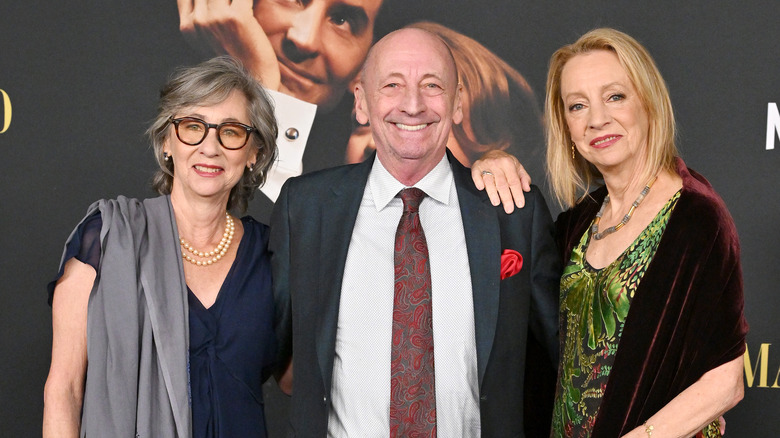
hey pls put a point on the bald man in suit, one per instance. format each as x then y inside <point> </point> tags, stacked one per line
<point>493,276</point>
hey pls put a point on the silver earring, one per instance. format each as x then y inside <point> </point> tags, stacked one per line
<point>251,167</point>
<point>165,156</point>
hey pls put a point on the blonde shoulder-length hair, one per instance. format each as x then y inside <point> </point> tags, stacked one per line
<point>573,179</point>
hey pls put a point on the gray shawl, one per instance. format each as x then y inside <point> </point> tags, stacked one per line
<point>137,326</point>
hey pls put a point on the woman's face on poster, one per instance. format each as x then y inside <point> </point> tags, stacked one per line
<point>320,44</point>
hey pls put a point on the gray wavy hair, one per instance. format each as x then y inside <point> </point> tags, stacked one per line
<point>210,83</point>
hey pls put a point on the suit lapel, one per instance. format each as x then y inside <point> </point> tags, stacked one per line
<point>338,215</point>
<point>483,245</point>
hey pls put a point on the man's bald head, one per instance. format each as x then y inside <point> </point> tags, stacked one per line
<point>409,94</point>
<point>406,36</point>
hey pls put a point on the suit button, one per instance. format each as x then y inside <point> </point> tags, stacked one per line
<point>291,134</point>
<point>325,400</point>
<point>483,398</point>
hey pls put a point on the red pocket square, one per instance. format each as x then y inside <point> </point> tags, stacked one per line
<point>511,263</point>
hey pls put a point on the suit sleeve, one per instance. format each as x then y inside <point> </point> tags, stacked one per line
<point>545,280</point>
<point>279,247</point>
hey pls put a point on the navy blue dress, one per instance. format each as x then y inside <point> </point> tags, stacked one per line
<point>232,343</point>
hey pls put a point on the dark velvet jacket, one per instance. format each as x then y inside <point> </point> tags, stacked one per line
<point>686,316</point>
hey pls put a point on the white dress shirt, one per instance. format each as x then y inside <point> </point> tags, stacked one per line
<point>294,119</point>
<point>360,393</point>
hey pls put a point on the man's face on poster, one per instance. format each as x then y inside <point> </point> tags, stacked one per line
<point>320,44</point>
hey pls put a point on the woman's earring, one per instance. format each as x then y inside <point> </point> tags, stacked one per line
<point>165,156</point>
<point>572,151</point>
<point>251,167</point>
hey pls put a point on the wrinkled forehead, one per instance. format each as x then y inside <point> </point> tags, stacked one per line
<point>595,68</point>
<point>410,50</point>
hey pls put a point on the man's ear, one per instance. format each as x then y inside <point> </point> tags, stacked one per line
<point>354,82</point>
<point>361,107</point>
<point>457,115</point>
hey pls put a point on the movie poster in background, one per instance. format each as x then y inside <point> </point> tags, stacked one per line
<point>80,84</point>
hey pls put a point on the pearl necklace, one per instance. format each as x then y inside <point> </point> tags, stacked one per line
<point>595,228</point>
<point>217,253</point>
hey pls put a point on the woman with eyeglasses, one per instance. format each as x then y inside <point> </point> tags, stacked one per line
<point>163,313</point>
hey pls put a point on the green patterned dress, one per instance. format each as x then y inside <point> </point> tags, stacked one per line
<point>594,306</point>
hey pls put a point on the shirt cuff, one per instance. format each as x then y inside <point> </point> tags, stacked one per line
<point>294,120</point>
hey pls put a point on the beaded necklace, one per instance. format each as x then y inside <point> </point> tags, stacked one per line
<point>595,227</point>
<point>217,253</point>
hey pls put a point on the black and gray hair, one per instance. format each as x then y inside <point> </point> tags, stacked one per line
<point>210,83</point>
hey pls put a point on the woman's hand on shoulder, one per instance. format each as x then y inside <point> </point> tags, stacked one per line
<point>503,178</point>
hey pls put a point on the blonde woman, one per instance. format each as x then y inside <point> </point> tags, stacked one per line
<point>652,324</point>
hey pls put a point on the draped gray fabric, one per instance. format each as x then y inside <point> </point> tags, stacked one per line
<point>137,325</point>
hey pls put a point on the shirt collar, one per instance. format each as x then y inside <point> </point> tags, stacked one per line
<point>436,184</point>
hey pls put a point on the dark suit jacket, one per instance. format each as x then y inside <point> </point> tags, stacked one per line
<point>311,229</point>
